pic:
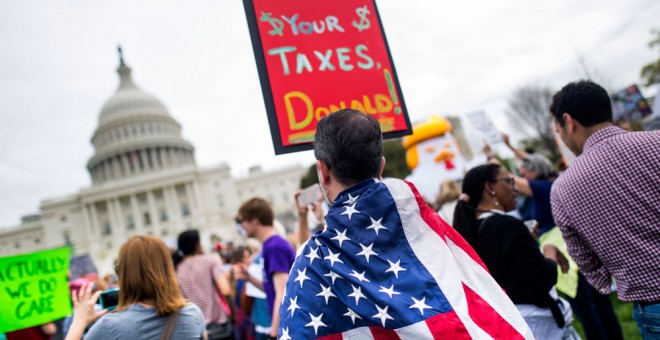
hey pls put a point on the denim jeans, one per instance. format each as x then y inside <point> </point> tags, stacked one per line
<point>648,320</point>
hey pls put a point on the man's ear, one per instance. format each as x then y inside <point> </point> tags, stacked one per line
<point>324,173</point>
<point>382,168</point>
<point>569,123</point>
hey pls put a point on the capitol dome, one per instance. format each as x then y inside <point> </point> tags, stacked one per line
<point>136,135</point>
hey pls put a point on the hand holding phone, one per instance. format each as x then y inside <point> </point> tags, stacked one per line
<point>532,226</point>
<point>109,299</point>
<point>309,195</point>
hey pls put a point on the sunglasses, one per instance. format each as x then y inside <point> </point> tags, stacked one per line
<point>509,180</point>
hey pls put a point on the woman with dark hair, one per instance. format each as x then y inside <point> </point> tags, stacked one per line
<point>204,281</point>
<point>149,299</point>
<point>509,251</point>
<point>593,309</point>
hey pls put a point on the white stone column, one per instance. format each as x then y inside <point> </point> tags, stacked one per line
<point>95,177</point>
<point>192,201</point>
<point>174,159</point>
<point>154,158</point>
<point>125,162</point>
<point>119,216</point>
<point>200,218</point>
<point>112,216</point>
<point>155,217</point>
<point>96,228</point>
<point>137,214</point>
<point>197,194</point>
<point>145,159</point>
<point>164,156</point>
<point>116,170</point>
<point>172,201</point>
<point>87,221</point>
<point>106,170</point>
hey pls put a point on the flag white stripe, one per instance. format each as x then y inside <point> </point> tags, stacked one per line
<point>482,283</point>
<point>429,247</point>
<point>358,334</point>
<point>474,276</point>
<point>419,330</point>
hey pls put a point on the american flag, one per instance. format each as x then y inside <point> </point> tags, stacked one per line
<point>388,267</point>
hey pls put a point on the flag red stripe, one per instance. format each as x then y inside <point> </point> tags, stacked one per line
<point>447,326</point>
<point>385,334</point>
<point>336,336</point>
<point>442,228</point>
<point>487,318</point>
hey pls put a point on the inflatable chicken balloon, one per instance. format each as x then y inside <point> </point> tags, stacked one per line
<point>433,156</point>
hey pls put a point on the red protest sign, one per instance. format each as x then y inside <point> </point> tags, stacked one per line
<point>316,57</point>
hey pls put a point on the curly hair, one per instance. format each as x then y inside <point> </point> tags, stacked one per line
<point>587,102</point>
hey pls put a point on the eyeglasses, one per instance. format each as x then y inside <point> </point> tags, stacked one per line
<point>509,180</point>
<point>238,220</point>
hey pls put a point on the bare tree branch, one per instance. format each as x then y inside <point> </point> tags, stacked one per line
<point>529,108</point>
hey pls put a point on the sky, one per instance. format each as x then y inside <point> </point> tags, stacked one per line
<point>58,61</point>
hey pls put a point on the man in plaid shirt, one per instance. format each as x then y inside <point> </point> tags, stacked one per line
<point>607,203</point>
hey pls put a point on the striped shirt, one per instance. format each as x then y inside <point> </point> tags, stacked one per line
<point>607,205</point>
<point>197,276</point>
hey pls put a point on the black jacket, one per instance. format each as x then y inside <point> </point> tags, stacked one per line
<point>514,260</point>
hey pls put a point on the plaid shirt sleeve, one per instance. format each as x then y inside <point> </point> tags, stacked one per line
<point>590,265</point>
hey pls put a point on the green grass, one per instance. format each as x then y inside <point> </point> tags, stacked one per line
<point>623,312</point>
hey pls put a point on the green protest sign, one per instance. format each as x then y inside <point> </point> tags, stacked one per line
<point>34,289</point>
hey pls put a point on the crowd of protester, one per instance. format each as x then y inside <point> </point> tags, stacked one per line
<point>530,225</point>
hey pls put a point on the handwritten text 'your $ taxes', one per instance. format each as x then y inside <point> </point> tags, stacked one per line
<point>327,59</point>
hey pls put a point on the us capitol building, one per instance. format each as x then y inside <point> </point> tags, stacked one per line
<point>145,181</point>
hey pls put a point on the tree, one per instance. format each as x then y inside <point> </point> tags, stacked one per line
<point>529,111</point>
<point>310,177</point>
<point>395,165</point>
<point>651,71</point>
<point>395,159</point>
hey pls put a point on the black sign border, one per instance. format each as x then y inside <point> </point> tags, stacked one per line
<point>267,92</point>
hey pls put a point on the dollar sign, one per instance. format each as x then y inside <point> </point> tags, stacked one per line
<point>364,23</point>
<point>277,24</point>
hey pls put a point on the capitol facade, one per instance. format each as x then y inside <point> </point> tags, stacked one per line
<point>145,181</point>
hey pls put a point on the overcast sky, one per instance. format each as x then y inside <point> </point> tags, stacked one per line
<point>58,61</point>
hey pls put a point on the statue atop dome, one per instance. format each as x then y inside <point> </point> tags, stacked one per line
<point>121,55</point>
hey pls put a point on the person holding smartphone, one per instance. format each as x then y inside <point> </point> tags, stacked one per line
<point>149,298</point>
<point>593,309</point>
<point>306,199</point>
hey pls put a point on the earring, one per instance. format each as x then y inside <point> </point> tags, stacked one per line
<point>495,201</point>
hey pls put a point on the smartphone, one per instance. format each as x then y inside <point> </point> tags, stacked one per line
<point>109,299</point>
<point>309,195</point>
<point>530,224</point>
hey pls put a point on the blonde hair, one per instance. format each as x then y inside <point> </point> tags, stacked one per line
<point>449,191</point>
<point>146,274</point>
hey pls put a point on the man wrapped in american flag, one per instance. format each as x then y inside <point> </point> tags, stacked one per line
<point>386,266</point>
